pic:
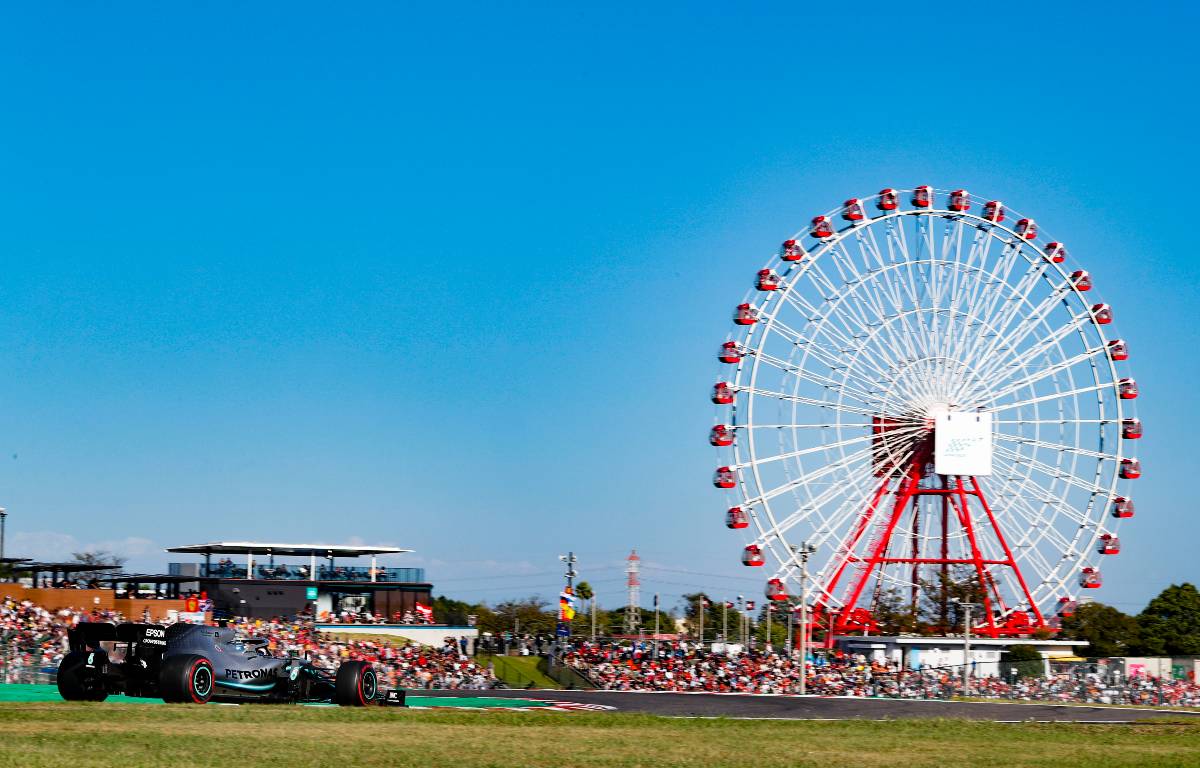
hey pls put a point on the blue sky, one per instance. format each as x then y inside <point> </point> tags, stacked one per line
<point>453,280</point>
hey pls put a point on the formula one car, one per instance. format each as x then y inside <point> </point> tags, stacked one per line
<point>192,663</point>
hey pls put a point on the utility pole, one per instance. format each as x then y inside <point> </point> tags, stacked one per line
<point>593,602</point>
<point>3,517</point>
<point>563,631</point>
<point>967,607</point>
<point>725,621</point>
<point>703,600</point>
<point>741,621</point>
<point>803,551</point>
<point>791,615</point>
<point>656,625</point>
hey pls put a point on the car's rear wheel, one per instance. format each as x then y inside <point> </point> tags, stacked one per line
<point>357,684</point>
<point>77,681</point>
<point>186,679</point>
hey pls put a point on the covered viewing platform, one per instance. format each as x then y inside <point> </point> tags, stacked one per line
<point>263,579</point>
<point>264,560</point>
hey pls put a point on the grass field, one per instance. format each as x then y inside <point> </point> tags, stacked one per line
<point>41,735</point>
<point>517,671</point>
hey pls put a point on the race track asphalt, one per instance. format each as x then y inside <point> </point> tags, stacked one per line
<point>828,708</point>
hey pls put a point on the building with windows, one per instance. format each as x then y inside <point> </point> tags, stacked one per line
<point>263,579</point>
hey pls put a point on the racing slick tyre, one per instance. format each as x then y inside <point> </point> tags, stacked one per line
<point>186,679</point>
<point>356,685</point>
<point>76,682</point>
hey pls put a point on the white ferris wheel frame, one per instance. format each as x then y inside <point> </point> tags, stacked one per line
<point>843,300</point>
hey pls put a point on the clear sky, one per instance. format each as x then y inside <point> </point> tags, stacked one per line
<point>453,280</point>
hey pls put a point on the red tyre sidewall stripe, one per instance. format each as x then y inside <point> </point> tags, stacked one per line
<point>362,697</point>
<point>192,680</point>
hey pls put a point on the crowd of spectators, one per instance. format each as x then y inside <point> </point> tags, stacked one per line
<point>684,666</point>
<point>33,640</point>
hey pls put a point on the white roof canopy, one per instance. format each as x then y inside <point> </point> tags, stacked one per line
<point>304,550</point>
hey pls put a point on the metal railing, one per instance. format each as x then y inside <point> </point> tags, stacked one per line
<point>284,572</point>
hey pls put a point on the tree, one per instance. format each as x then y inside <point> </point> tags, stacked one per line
<point>582,623</point>
<point>1170,624</point>
<point>940,596</point>
<point>1026,659</point>
<point>450,611</point>
<point>96,557</point>
<point>693,608</point>
<point>529,614</point>
<point>1109,632</point>
<point>894,614</point>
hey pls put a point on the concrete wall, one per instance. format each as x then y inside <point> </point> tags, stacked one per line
<point>424,634</point>
<point>91,600</point>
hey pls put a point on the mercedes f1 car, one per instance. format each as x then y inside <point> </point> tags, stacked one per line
<point>192,663</point>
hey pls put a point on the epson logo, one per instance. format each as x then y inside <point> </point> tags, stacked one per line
<point>152,632</point>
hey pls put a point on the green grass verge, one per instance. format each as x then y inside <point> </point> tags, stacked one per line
<point>518,671</point>
<point>82,735</point>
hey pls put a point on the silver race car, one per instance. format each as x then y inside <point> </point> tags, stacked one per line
<point>191,663</point>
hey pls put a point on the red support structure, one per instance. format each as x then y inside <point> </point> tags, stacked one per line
<point>957,496</point>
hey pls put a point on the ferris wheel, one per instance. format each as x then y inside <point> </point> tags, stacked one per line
<point>923,388</point>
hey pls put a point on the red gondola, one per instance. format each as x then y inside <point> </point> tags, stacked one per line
<point>791,251</point>
<point>736,518</point>
<point>1118,350</point>
<point>922,196</point>
<point>1066,607</point>
<point>1109,545</point>
<point>722,393</point>
<point>1131,469</point>
<point>1089,578</point>
<point>822,227</point>
<point>767,280</point>
<point>731,352</point>
<point>752,555</point>
<point>888,200</point>
<point>724,478</point>
<point>960,200</point>
<point>1127,389</point>
<point>720,436</point>
<point>1122,507</point>
<point>1027,229</point>
<point>1131,429</point>
<point>1056,252</point>
<point>1102,314</point>
<point>993,211</point>
<point>1081,280</point>
<point>745,314</point>
<point>775,590</point>
<point>852,210</point>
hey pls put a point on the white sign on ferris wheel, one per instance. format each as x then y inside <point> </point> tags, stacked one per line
<point>962,444</point>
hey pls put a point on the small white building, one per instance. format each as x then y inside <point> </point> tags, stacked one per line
<point>916,652</point>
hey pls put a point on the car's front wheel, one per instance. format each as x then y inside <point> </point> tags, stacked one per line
<point>79,677</point>
<point>357,684</point>
<point>186,679</point>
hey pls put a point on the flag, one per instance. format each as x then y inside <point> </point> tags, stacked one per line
<point>728,603</point>
<point>566,605</point>
<point>425,611</point>
<point>704,603</point>
<point>749,605</point>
